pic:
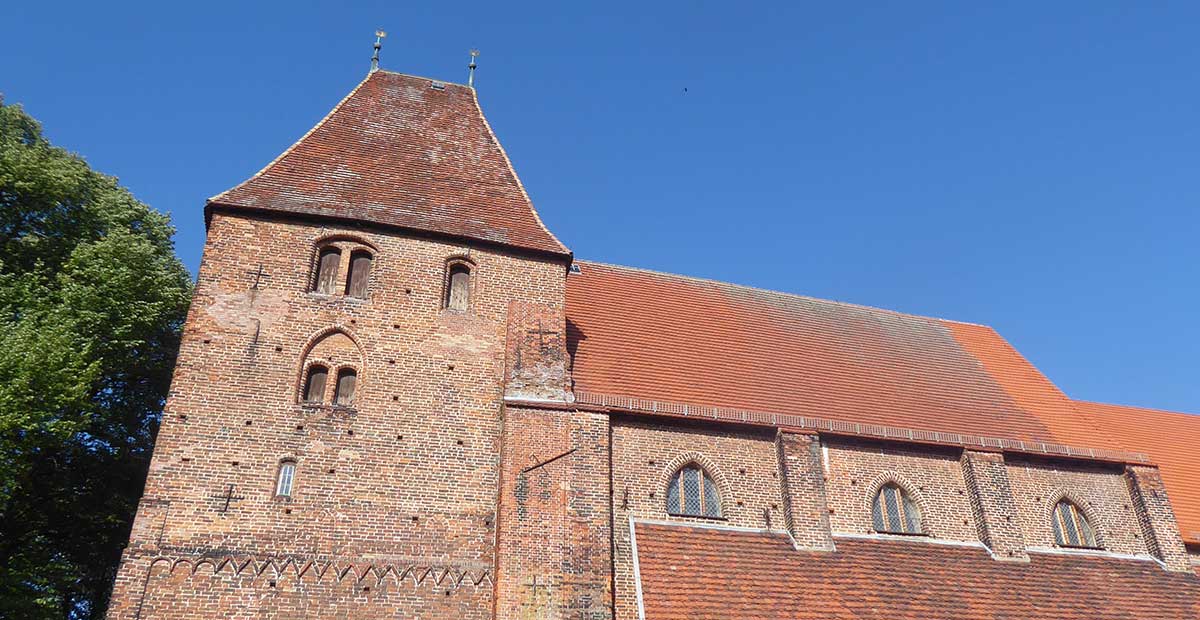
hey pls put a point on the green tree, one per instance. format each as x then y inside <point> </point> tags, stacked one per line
<point>92,299</point>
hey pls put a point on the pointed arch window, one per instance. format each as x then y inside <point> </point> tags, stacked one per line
<point>343,393</point>
<point>692,492</point>
<point>286,478</point>
<point>458,287</point>
<point>328,261</point>
<point>894,512</point>
<point>314,384</point>
<point>360,272</point>
<point>1072,528</point>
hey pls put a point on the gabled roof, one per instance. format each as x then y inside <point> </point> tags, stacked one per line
<point>1173,441</point>
<point>698,573</point>
<point>655,336</point>
<point>402,151</point>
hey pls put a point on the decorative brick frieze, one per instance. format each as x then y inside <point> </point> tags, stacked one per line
<point>1160,531</point>
<point>992,504</point>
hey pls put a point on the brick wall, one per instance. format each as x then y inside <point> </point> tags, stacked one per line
<point>646,452</point>
<point>932,476</point>
<point>554,536</point>
<point>1100,490</point>
<point>406,477</point>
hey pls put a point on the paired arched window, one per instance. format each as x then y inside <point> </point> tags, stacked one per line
<point>343,390</point>
<point>458,286</point>
<point>692,492</point>
<point>1071,526</point>
<point>286,478</point>
<point>894,512</point>
<point>327,281</point>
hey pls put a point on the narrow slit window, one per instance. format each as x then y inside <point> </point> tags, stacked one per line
<point>360,272</point>
<point>314,384</point>
<point>287,476</point>
<point>458,287</point>
<point>343,394</point>
<point>693,493</point>
<point>894,512</point>
<point>327,271</point>
<point>1071,527</point>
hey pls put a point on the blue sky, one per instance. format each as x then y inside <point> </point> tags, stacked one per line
<point>1031,166</point>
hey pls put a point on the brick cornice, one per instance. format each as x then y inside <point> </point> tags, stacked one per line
<point>797,423</point>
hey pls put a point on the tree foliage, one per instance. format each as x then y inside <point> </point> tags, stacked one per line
<point>92,299</point>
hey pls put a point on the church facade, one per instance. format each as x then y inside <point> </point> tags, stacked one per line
<point>399,395</point>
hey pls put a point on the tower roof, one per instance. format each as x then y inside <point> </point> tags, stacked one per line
<point>402,151</point>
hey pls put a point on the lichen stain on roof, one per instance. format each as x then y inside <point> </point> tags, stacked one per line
<point>398,152</point>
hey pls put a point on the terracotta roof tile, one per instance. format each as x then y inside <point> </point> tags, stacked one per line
<point>1173,441</point>
<point>698,573</point>
<point>656,336</point>
<point>397,151</point>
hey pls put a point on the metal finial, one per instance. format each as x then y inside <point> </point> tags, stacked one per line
<point>471,75</point>
<point>379,35</point>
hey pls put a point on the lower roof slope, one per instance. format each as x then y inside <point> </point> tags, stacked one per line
<point>1173,442</point>
<point>655,336</point>
<point>697,573</point>
<point>403,151</point>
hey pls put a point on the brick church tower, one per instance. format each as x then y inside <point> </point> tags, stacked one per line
<point>331,444</point>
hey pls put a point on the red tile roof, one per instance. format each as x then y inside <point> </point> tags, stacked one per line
<point>698,573</point>
<point>1173,441</point>
<point>397,151</point>
<point>662,337</point>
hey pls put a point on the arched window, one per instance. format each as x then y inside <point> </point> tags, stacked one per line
<point>458,287</point>
<point>894,512</point>
<point>328,261</point>
<point>314,383</point>
<point>343,393</point>
<point>693,493</point>
<point>360,271</point>
<point>1071,527</point>
<point>287,475</point>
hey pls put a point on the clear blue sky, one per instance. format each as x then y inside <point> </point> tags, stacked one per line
<point>1031,166</point>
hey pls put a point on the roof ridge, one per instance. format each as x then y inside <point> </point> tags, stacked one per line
<point>775,292</point>
<point>1137,407</point>
<point>420,77</point>
<point>298,142</point>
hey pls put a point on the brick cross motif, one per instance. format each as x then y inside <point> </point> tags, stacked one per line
<point>542,332</point>
<point>227,497</point>
<point>534,586</point>
<point>258,274</point>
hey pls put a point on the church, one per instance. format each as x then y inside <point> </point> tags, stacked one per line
<point>400,396</point>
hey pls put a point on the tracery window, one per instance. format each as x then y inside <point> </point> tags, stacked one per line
<point>692,492</point>
<point>894,512</point>
<point>1071,526</point>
